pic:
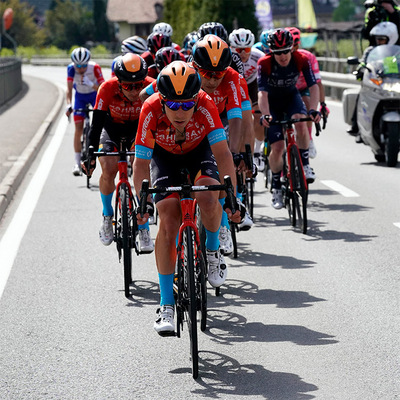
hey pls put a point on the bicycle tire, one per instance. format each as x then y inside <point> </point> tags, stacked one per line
<point>191,311</point>
<point>85,146</point>
<point>126,234</point>
<point>300,192</point>
<point>201,290</point>
<point>234,240</point>
<point>250,196</point>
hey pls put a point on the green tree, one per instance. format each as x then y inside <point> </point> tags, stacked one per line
<point>68,23</point>
<point>187,15</point>
<point>345,11</point>
<point>24,30</point>
<point>102,27</point>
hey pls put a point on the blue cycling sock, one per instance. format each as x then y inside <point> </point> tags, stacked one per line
<point>224,218</point>
<point>212,240</point>
<point>144,226</point>
<point>166,289</point>
<point>239,196</point>
<point>304,157</point>
<point>107,206</point>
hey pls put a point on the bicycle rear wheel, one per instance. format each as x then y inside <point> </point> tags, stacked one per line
<point>300,192</point>
<point>85,146</point>
<point>191,310</point>
<point>126,236</point>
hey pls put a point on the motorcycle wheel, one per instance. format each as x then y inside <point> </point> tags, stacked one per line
<point>392,144</point>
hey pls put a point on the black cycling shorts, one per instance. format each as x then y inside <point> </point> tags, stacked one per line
<point>110,142</point>
<point>166,167</point>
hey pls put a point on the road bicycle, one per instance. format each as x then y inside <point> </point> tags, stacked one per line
<point>294,183</point>
<point>190,289</point>
<point>85,134</point>
<point>125,223</point>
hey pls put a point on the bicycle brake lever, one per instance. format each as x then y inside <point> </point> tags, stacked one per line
<point>318,128</point>
<point>229,192</point>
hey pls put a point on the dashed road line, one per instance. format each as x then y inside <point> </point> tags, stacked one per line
<point>397,224</point>
<point>343,190</point>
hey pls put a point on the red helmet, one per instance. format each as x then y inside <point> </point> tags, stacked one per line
<point>280,39</point>
<point>295,34</point>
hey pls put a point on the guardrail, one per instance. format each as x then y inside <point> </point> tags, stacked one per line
<point>335,72</point>
<point>10,78</point>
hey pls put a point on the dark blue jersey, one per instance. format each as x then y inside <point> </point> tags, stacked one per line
<point>281,81</point>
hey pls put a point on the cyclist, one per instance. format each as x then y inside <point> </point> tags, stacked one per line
<point>303,88</point>
<point>211,58</point>
<point>188,42</point>
<point>262,45</point>
<point>85,77</point>
<point>179,128</point>
<point>277,76</point>
<point>241,41</point>
<point>155,41</point>
<point>133,44</point>
<point>116,115</point>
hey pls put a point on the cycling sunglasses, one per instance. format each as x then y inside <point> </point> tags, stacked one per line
<point>176,105</point>
<point>241,49</point>
<point>81,65</point>
<point>211,74</point>
<point>279,52</point>
<point>131,86</point>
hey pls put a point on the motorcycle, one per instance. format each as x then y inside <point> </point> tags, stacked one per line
<point>378,103</point>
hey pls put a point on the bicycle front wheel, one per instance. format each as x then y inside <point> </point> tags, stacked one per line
<point>85,146</point>
<point>300,191</point>
<point>126,234</point>
<point>191,311</point>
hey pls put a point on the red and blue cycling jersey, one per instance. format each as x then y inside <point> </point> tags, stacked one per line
<point>281,81</point>
<point>93,72</point>
<point>155,128</point>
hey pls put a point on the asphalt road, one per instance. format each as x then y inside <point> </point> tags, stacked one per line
<point>300,316</point>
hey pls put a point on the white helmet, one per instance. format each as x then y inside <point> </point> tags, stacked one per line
<point>241,38</point>
<point>80,55</point>
<point>164,28</point>
<point>388,29</point>
<point>134,44</point>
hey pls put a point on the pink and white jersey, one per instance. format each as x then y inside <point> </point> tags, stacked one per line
<point>250,66</point>
<point>301,82</point>
<point>93,72</point>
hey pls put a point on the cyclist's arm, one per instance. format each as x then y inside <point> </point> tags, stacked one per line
<point>263,104</point>
<point>98,120</point>
<point>235,134</point>
<point>314,97</point>
<point>69,91</point>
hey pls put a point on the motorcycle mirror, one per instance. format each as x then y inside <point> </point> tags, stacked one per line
<point>352,60</point>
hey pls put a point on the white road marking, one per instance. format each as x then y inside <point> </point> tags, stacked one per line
<point>12,238</point>
<point>343,190</point>
<point>397,224</point>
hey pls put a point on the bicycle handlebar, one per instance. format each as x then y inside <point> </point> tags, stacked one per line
<point>292,121</point>
<point>185,188</point>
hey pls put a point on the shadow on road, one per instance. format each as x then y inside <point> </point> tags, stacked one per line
<point>221,376</point>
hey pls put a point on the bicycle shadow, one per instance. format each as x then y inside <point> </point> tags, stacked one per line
<point>242,293</point>
<point>225,327</point>
<point>143,293</point>
<point>221,375</point>
<point>247,256</point>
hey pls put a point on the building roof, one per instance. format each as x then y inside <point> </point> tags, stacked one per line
<point>133,11</point>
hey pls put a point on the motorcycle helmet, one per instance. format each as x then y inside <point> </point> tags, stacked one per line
<point>165,56</point>
<point>130,68</point>
<point>213,28</point>
<point>178,81</point>
<point>164,28</point>
<point>386,29</point>
<point>241,38</point>
<point>212,54</point>
<point>80,55</point>
<point>134,44</point>
<point>280,39</point>
<point>157,40</point>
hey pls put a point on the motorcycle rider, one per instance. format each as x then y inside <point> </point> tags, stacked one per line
<point>382,33</point>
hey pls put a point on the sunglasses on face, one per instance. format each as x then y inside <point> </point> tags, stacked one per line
<point>80,65</point>
<point>279,52</point>
<point>131,86</point>
<point>176,105</point>
<point>245,49</point>
<point>211,74</point>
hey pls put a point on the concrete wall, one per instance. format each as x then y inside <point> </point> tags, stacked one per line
<point>10,78</point>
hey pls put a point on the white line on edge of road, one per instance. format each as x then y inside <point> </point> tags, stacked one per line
<point>11,240</point>
<point>396,224</point>
<point>343,190</point>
